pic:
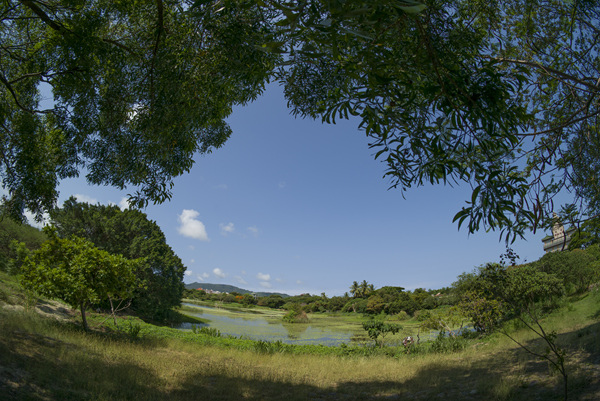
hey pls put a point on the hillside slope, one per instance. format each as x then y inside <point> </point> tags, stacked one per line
<point>229,288</point>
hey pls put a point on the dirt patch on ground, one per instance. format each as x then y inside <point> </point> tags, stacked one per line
<point>54,309</point>
<point>49,309</point>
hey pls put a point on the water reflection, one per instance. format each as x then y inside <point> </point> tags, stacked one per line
<point>270,328</point>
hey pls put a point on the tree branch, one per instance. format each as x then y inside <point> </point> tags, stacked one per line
<point>159,30</point>
<point>546,69</point>
<point>60,28</point>
<point>43,16</point>
<point>564,125</point>
<point>8,86</point>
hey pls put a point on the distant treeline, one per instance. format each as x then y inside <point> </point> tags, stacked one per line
<point>389,300</point>
<point>574,271</point>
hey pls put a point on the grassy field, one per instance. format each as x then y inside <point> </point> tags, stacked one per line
<point>44,355</point>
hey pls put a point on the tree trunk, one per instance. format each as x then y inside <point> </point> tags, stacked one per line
<point>112,310</point>
<point>85,325</point>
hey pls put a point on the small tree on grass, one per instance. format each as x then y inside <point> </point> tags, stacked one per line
<point>444,321</point>
<point>527,291</point>
<point>78,273</point>
<point>378,328</point>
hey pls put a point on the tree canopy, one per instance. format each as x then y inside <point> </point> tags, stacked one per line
<point>131,234</point>
<point>137,89</point>
<point>500,96</point>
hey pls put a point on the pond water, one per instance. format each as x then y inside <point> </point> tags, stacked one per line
<point>269,327</point>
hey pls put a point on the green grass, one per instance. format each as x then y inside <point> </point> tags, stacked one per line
<point>42,358</point>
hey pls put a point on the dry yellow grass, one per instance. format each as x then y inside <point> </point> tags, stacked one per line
<point>60,363</point>
<point>42,359</point>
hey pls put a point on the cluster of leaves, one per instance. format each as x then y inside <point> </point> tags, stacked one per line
<point>485,314</point>
<point>586,235</point>
<point>361,290</point>
<point>13,233</point>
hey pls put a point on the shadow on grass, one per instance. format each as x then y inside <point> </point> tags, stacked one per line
<point>37,367</point>
<point>479,382</point>
<point>40,367</point>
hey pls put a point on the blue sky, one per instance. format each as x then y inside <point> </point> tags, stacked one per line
<point>292,205</point>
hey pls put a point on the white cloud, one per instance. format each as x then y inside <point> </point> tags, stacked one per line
<point>188,273</point>
<point>299,282</point>
<point>124,204</point>
<point>263,277</point>
<point>200,277</point>
<point>279,280</point>
<point>205,275</point>
<point>253,230</point>
<point>190,226</point>
<point>85,199</point>
<point>265,284</point>
<point>240,280</point>
<point>244,272</point>
<point>37,224</point>
<point>192,260</point>
<point>219,273</point>
<point>227,228</point>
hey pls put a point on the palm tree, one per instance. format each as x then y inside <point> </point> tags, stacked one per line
<point>354,289</point>
<point>364,288</point>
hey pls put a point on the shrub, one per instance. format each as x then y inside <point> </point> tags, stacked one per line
<point>133,330</point>
<point>296,316</point>
<point>209,331</point>
<point>577,269</point>
<point>266,347</point>
<point>484,313</point>
<point>377,328</point>
<point>400,316</point>
<point>358,305</point>
<point>447,344</point>
<point>422,315</point>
